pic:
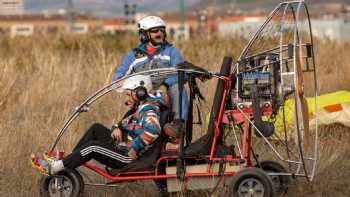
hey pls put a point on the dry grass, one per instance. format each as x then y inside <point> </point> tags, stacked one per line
<point>42,78</point>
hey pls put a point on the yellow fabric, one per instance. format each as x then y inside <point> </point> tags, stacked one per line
<point>324,117</point>
<point>339,97</point>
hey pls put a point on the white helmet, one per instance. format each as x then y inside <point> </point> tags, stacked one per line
<point>136,81</point>
<point>150,22</point>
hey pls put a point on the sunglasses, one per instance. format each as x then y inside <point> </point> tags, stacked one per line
<point>156,30</point>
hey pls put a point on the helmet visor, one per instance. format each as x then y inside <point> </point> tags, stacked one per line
<point>157,29</point>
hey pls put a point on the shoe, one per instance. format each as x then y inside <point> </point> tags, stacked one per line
<point>42,165</point>
<point>49,158</point>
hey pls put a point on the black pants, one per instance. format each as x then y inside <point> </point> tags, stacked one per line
<point>97,144</point>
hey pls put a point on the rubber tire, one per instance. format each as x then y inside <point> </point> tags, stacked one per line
<point>248,173</point>
<point>72,175</point>
<point>273,166</point>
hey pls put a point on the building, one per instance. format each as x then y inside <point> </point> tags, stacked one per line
<point>200,24</point>
<point>332,21</point>
<point>337,29</point>
<point>11,7</point>
<point>196,24</point>
<point>240,25</point>
<point>26,25</point>
<point>112,26</point>
<point>333,27</point>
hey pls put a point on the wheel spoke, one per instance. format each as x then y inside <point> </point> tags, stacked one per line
<point>61,186</point>
<point>251,184</point>
<point>259,188</point>
<point>251,187</point>
<point>244,190</point>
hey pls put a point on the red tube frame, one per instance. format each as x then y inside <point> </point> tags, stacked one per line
<point>222,118</point>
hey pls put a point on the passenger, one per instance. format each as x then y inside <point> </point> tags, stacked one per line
<point>136,131</point>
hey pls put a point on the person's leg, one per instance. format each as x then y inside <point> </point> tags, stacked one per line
<point>97,143</point>
<point>105,153</point>
<point>97,132</point>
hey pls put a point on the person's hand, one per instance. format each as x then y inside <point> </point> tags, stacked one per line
<point>203,78</point>
<point>117,134</point>
<point>153,92</point>
<point>132,153</point>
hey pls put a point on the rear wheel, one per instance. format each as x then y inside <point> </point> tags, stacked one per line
<point>67,183</point>
<point>279,182</point>
<point>252,182</point>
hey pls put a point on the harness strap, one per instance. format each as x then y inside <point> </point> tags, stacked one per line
<point>139,53</point>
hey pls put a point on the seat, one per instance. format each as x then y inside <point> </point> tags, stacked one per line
<point>146,161</point>
<point>202,145</point>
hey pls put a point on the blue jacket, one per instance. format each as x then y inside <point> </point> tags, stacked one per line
<point>137,60</point>
<point>166,56</point>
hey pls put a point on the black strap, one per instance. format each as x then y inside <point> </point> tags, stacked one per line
<point>189,125</point>
<point>197,91</point>
<point>199,116</point>
<point>200,97</point>
<point>180,166</point>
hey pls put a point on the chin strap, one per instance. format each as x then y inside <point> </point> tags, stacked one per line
<point>155,44</point>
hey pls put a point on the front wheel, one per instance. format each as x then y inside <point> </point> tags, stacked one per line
<point>252,182</point>
<point>67,183</point>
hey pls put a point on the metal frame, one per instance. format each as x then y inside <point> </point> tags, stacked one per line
<point>297,59</point>
<point>241,116</point>
<point>148,175</point>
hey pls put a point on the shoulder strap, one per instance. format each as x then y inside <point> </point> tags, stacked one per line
<point>139,53</point>
<point>167,44</point>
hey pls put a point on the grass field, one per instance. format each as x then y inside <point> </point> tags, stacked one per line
<point>43,78</point>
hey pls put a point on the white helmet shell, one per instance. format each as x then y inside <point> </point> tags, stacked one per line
<point>133,82</point>
<point>150,22</point>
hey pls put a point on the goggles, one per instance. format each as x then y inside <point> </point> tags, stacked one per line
<point>157,29</point>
